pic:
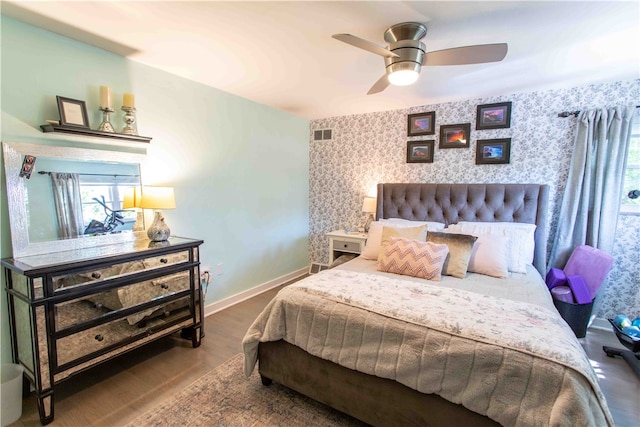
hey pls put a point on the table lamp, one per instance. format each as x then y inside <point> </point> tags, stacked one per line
<point>158,198</point>
<point>369,208</point>
<point>131,200</point>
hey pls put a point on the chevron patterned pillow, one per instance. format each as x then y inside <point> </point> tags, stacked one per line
<point>413,258</point>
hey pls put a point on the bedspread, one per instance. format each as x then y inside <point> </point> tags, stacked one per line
<point>515,362</point>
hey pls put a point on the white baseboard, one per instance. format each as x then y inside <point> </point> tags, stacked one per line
<point>249,293</point>
<point>600,323</point>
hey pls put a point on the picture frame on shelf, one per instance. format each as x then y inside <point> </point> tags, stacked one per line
<point>73,112</point>
<point>421,124</point>
<point>455,136</point>
<point>493,151</point>
<point>493,116</point>
<point>420,151</point>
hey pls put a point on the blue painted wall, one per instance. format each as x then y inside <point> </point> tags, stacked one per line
<point>240,169</point>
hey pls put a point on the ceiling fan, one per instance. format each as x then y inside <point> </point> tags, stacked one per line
<point>406,54</point>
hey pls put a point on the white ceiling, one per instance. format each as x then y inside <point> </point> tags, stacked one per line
<point>281,53</point>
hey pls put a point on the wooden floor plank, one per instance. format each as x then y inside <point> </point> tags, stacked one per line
<point>119,390</point>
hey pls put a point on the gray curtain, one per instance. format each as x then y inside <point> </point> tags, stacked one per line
<point>68,204</point>
<point>591,201</point>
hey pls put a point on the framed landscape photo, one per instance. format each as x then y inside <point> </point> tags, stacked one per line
<point>421,124</point>
<point>493,151</point>
<point>455,136</point>
<point>493,116</point>
<point>73,112</point>
<point>420,151</point>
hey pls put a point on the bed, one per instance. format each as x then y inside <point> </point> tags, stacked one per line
<point>478,344</point>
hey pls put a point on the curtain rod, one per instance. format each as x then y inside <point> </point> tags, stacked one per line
<point>575,113</point>
<point>93,174</point>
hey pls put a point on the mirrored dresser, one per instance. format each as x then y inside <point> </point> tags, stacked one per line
<point>71,310</point>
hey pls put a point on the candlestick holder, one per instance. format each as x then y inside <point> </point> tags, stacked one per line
<point>130,120</point>
<point>106,126</point>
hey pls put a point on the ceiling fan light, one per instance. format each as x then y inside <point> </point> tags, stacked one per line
<point>403,77</point>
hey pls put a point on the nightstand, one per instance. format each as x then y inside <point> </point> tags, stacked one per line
<point>345,243</point>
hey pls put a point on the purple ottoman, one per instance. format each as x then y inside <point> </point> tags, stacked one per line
<point>555,277</point>
<point>563,293</point>
<point>590,263</point>
<point>579,289</point>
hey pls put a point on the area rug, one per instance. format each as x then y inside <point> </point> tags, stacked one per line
<point>225,397</point>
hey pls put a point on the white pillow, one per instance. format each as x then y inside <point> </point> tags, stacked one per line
<point>520,245</point>
<point>399,222</point>
<point>372,246</point>
<point>489,256</point>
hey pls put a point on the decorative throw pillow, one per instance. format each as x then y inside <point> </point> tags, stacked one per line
<point>413,258</point>
<point>372,246</point>
<point>489,256</point>
<point>413,233</point>
<point>460,247</point>
<point>520,239</point>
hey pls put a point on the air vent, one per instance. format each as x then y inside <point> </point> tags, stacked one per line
<point>322,134</point>
<point>317,268</point>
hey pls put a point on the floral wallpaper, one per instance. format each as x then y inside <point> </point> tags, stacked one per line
<point>370,148</point>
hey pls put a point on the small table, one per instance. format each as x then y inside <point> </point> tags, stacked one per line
<point>341,243</point>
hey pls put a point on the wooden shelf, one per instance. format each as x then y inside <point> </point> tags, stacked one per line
<point>90,132</point>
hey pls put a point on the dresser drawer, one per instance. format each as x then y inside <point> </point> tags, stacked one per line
<point>346,246</point>
<point>105,337</point>
<point>97,275</point>
<point>85,309</point>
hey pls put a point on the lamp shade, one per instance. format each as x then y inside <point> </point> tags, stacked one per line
<point>369,204</point>
<point>131,198</point>
<point>157,198</point>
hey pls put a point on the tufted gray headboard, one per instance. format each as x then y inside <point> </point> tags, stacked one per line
<point>450,203</point>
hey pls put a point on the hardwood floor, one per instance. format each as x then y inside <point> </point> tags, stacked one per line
<point>117,391</point>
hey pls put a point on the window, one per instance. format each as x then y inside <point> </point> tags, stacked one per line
<point>632,172</point>
<point>102,204</point>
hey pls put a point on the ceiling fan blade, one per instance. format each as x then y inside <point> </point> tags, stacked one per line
<point>364,44</point>
<point>379,86</point>
<point>477,54</point>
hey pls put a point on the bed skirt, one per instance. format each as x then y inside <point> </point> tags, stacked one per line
<point>376,401</point>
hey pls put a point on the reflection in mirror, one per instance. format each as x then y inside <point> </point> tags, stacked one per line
<point>69,198</point>
<point>73,198</point>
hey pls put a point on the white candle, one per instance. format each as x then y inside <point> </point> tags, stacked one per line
<point>105,97</point>
<point>128,100</point>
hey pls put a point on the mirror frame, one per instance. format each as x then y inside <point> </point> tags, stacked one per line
<point>17,194</point>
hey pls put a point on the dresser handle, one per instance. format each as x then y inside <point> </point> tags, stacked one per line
<point>164,286</point>
<point>164,260</point>
<point>99,337</point>
<point>96,275</point>
<point>345,245</point>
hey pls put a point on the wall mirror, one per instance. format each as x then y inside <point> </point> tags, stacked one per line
<point>100,179</point>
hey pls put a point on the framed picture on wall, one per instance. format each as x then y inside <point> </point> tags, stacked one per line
<point>455,136</point>
<point>493,116</point>
<point>73,112</point>
<point>421,124</point>
<point>420,151</point>
<point>493,151</point>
